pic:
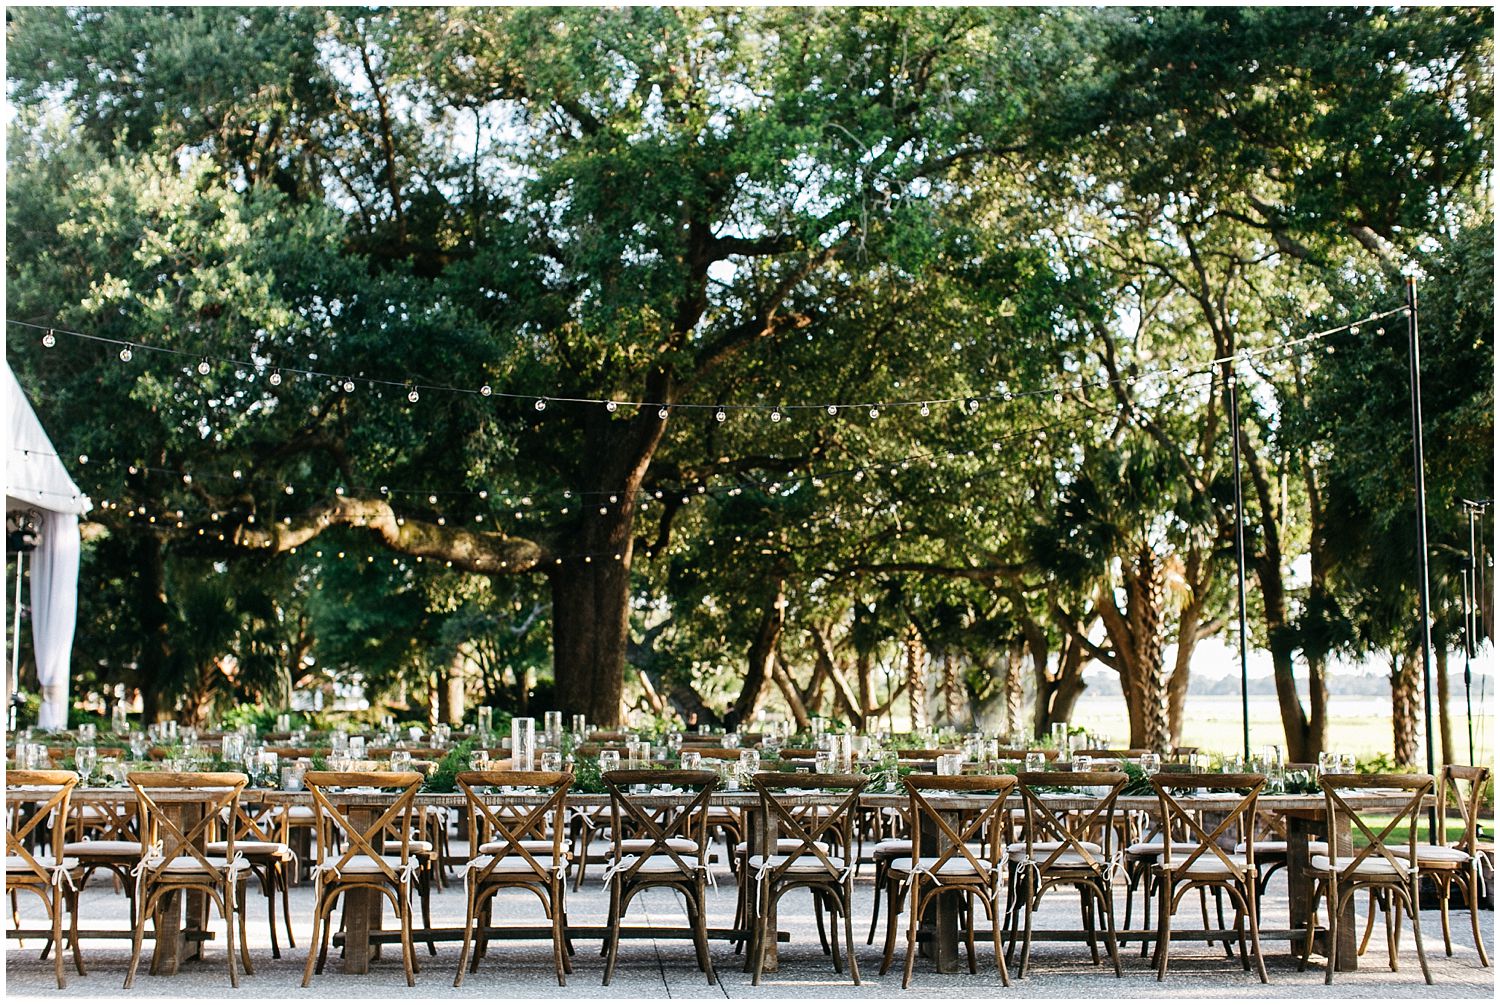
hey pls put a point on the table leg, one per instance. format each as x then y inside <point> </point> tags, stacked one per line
<point>357,929</point>
<point>940,919</point>
<point>1299,831</point>
<point>761,832</point>
<point>168,951</point>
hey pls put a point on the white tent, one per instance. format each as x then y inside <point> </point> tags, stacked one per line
<point>35,479</point>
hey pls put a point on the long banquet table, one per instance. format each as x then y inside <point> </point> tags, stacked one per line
<point>1304,815</point>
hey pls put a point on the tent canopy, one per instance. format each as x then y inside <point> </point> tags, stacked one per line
<point>35,478</point>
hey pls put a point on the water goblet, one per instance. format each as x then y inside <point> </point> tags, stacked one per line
<point>400,760</point>
<point>1328,762</point>
<point>84,761</point>
<point>609,760</point>
<point>1150,762</point>
<point>552,760</point>
<point>87,733</point>
<point>823,762</point>
<point>1083,762</point>
<point>691,760</point>
<point>1036,761</point>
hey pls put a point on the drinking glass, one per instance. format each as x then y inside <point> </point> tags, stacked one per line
<point>1328,762</point>
<point>749,762</point>
<point>233,748</point>
<point>731,741</point>
<point>84,760</point>
<point>1083,762</point>
<point>640,754</point>
<point>1036,761</point>
<point>552,723</point>
<point>414,734</point>
<point>823,762</point>
<point>609,760</point>
<point>1060,735</point>
<point>356,748</point>
<point>1150,762</point>
<point>339,740</point>
<point>674,742</point>
<point>283,723</point>
<point>485,718</point>
<point>580,726</point>
<point>139,744</point>
<point>169,730</point>
<point>479,760</point>
<point>440,734</point>
<point>189,735</point>
<point>842,750</point>
<point>950,764</point>
<point>691,760</point>
<point>291,778</point>
<point>87,733</point>
<point>400,760</point>
<point>552,761</point>
<point>522,744</point>
<point>1346,764</point>
<point>109,770</point>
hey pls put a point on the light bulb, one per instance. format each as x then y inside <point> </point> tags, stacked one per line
<point>610,406</point>
<point>874,413</point>
<point>126,354</point>
<point>49,340</point>
<point>1354,329</point>
<point>925,410</point>
<point>290,490</point>
<point>412,396</point>
<point>432,500</point>
<point>275,378</point>
<point>973,405</point>
<point>339,491</point>
<point>720,415</point>
<point>348,386</point>
<point>83,458</point>
<point>478,518</point>
<point>603,510</point>
<point>775,415</point>
<point>661,413</point>
<point>541,404</point>
<point>486,391</point>
<point>203,366</point>
<point>442,521</point>
<point>484,494</point>
<point>833,410</point>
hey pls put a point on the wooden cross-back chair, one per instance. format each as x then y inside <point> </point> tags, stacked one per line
<point>1206,865</point>
<point>943,862</point>
<point>261,838</point>
<point>1384,869</point>
<point>1449,864</point>
<point>1056,851</point>
<point>36,802</point>
<point>816,854</point>
<point>176,860</point>
<point>515,847</point>
<point>672,851</point>
<point>364,862</point>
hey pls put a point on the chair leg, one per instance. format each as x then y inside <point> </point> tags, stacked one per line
<point>228,915</point>
<point>892,913</point>
<point>1364,942</point>
<point>969,933</point>
<point>995,926</point>
<point>73,934</point>
<point>875,908</point>
<point>833,931</point>
<point>1335,908</point>
<point>1442,882</point>
<point>612,941</point>
<point>1416,933</point>
<point>244,920</point>
<point>285,875</point>
<point>559,950</point>
<point>1107,910</point>
<point>268,885</point>
<point>1391,907</point>
<point>818,914</point>
<point>463,954</point>
<point>1471,900</point>
<point>911,930</point>
<point>1219,910</point>
<point>757,944</point>
<point>1086,913</point>
<point>138,936</point>
<point>1165,902</point>
<point>1312,925</point>
<point>1033,897</point>
<point>700,932</point>
<point>425,888</point>
<point>1252,912</point>
<point>312,946</point>
<point>847,910</point>
<point>55,903</point>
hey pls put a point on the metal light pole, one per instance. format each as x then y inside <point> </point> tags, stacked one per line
<point>1239,553</point>
<point>1414,358</point>
<point>1471,628</point>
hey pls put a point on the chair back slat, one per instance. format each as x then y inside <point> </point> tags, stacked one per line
<point>1416,788</point>
<point>515,824</point>
<point>986,826</point>
<point>333,802</point>
<point>688,820</point>
<point>1070,831</point>
<point>812,829</point>
<point>164,841</point>
<point>32,799</point>
<point>1206,843</point>
<point>1470,804</point>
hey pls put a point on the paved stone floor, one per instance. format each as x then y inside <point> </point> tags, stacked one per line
<point>666,968</point>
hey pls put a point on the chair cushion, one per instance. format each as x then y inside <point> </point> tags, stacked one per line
<point>1205,866</point>
<point>660,865</point>
<point>184,864</point>
<point>892,848</point>
<point>635,846</point>
<point>515,866</point>
<point>1145,849</point>
<point>361,865</point>
<point>1373,867</point>
<point>782,845</point>
<point>15,865</point>
<point>1427,854</point>
<point>103,849</point>
<point>535,846</point>
<point>958,866</point>
<point>804,865</point>
<point>251,849</point>
<point>1272,849</point>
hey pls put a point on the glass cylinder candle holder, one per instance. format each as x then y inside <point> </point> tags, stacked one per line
<point>284,723</point>
<point>691,760</point>
<point>522,744</point>
<point>609,760</point>
<point>87,732</point>
<point>441,734</point>
<point>356,748</point>
<point>950,764</point>
<point>1036,761</point>
<point>553,724</point>
<point>580,726</point>
<point>485,718</point>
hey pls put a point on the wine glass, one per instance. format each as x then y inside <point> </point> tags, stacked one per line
<point>84,761</point>
<point>400,760</point>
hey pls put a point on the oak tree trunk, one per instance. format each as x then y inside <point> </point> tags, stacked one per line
<point>1405,706</point>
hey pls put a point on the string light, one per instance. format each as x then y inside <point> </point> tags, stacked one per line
<point>348,386</point>
<point>203,367</point>
<point>126,354</point>
<point>412,396</point>
<point>50,339</point>
<point>611,406</point>
<point>275,378</point>
<point>720,415</point>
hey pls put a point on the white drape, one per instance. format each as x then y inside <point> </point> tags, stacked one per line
<point>54,612</point>
<point>35,478</point>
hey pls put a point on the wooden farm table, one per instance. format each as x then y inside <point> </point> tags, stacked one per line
<point>1305,816</point>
